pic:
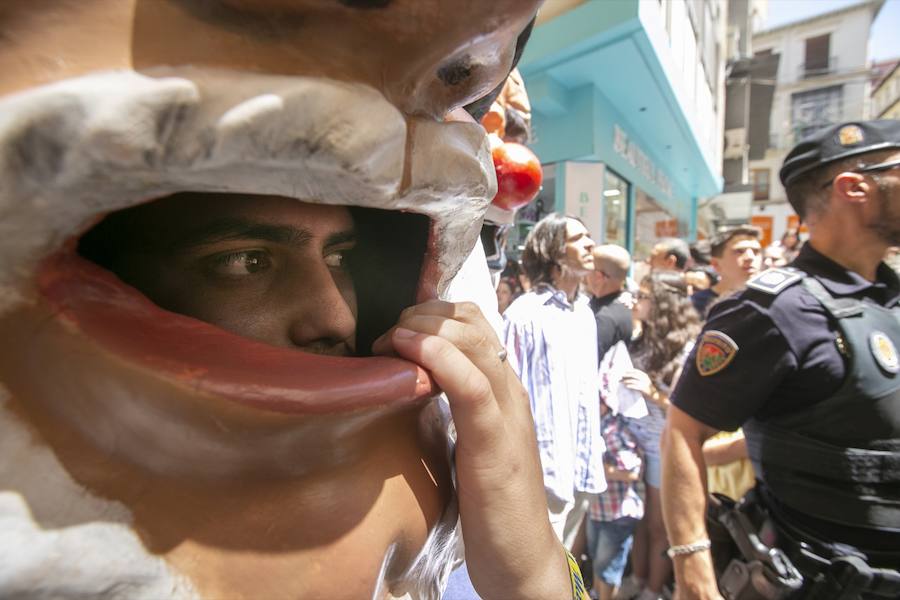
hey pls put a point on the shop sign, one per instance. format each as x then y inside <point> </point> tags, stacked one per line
<point>793,222</point>
<point>666,228</point>
<point>637,158</point>
<point>765,224</point>
<point>584,193</point>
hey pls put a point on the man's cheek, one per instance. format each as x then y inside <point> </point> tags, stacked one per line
<point>348,291</point>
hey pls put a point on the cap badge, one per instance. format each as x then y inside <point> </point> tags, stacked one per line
<point>850,135</point>
<point>884,351</point>
<point>715,352</point>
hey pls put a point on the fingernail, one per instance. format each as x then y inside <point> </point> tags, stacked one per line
<point>402,333</point>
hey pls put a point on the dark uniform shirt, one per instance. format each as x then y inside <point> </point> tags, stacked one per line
<point>614,322</point>
<point>701,299</point>
<point>787,357</point>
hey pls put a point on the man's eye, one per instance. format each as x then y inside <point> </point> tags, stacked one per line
<point>336,259</point>
<point>240,264</point>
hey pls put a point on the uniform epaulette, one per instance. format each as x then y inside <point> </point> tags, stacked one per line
<point>774,281</point>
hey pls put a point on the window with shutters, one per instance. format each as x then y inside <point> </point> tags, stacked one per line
<point>818,61</point>
<point>814,109</point>
<point>760,181</point>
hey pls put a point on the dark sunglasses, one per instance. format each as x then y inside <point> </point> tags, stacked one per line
<point>886,166</point>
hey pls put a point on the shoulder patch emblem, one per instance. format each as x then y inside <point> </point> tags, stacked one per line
<point>850,135</point>
<point>716,351</point>
<point>884,351</point>
<point>774,280</point>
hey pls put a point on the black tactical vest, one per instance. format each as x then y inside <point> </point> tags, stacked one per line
<point>839,460</point>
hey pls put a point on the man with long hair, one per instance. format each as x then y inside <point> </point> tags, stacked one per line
<point>550,334</point>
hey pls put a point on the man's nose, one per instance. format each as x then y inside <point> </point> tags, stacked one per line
<point>322,319</point>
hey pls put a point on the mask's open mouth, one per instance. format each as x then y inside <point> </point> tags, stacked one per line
<point>114,140</point>
<point>383,263</point>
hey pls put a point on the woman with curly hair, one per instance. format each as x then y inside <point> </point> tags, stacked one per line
<point>668,326</point>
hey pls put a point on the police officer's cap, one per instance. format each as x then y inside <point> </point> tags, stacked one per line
<point>838,142</point>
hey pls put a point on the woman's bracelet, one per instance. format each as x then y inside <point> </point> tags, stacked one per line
<point>698,546</point>
<point>579,591</point>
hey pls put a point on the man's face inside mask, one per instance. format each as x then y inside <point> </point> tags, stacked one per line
<point>267,268</point>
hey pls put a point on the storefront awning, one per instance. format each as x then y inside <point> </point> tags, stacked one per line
<point>597,69</point>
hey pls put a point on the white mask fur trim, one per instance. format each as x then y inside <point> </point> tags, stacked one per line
<point>80,148</point>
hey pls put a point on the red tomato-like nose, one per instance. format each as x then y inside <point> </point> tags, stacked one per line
<point>519,175</point>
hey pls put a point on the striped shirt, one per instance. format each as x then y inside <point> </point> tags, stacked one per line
<point>552,346</point>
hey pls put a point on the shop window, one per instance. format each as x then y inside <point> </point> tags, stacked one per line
<point>760,181</point>
<point>615,209</point>
<point>652,222</point>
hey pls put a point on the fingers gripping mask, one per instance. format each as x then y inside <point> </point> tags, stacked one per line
<point>200,241</point>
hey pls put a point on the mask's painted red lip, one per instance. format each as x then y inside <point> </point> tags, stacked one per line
<point>96,304</point>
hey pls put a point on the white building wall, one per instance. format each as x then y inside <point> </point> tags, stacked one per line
<point>849,68</point>
<point>885,102</point>
<point>849,33</point>
<point>673,36</point>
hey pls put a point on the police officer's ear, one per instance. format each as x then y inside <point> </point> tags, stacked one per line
<point>852,187</point>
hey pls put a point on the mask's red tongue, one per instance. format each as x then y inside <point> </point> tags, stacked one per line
<point>124,322</point>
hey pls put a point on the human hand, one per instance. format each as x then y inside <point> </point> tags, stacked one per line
<point>511,550</point>
<point>637,380</point>
<point>614,474</point>
<point>695,577</point>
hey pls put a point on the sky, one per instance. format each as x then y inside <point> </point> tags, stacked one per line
<point>885,38</point>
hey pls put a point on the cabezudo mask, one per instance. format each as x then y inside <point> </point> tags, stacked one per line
<point>209,209</point>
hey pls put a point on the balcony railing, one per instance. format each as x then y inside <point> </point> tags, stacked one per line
<point>818,68</point>
<point>788,138</point>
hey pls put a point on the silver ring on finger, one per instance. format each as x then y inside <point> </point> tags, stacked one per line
<point>501,354</point>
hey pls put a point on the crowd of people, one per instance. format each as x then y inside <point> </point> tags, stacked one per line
<point>648,329</point>
<point>656,321</point>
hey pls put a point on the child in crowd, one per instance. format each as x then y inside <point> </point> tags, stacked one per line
<point>615,513</point>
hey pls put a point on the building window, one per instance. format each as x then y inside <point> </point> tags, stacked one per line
<point>818,62</point>
<point>652,222</point>
<point>760,180</point>
<point>615,209</point>
<point>814,109</point>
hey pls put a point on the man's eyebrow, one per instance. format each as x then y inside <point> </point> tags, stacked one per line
<point>223,230</point>
<point>340,237</point>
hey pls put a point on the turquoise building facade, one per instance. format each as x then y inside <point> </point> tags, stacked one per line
<point>627,125</point>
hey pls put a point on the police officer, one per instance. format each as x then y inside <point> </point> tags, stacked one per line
<point>806,360</point>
